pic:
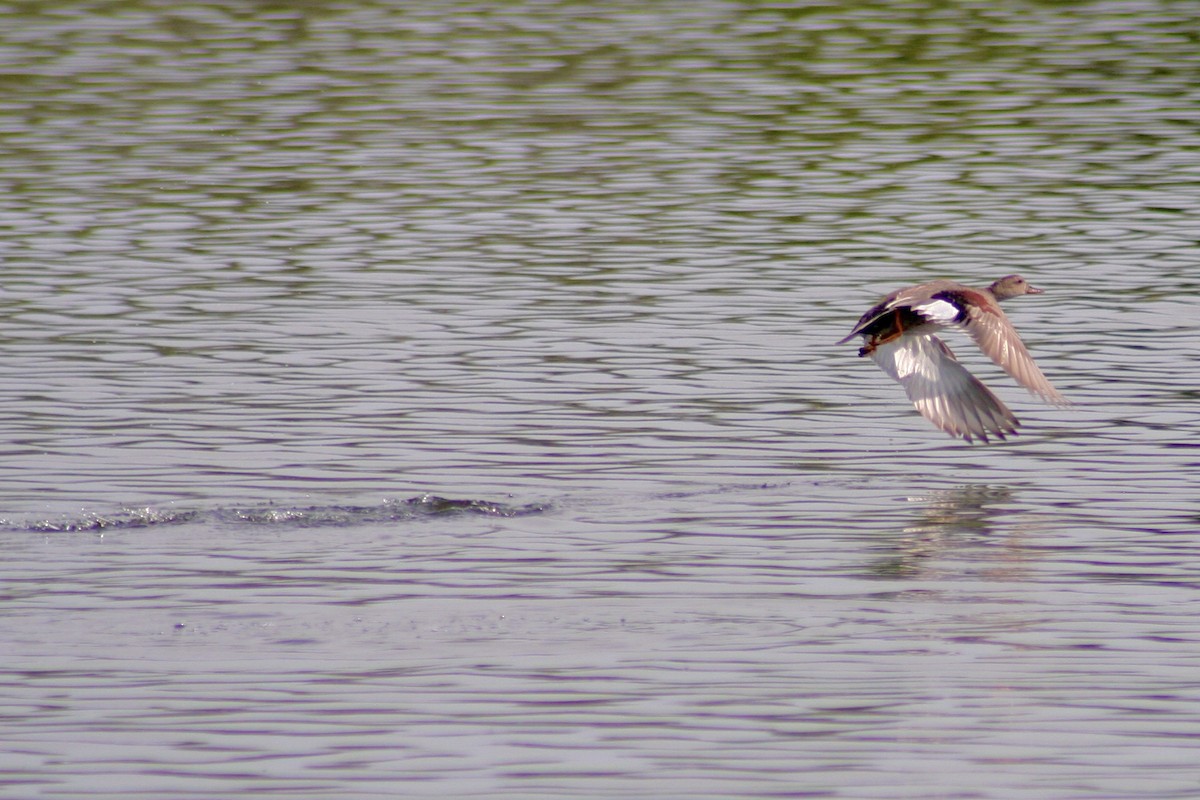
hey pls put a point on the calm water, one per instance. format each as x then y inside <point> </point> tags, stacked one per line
<point>439,400</point>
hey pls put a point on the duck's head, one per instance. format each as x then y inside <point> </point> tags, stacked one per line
<point>1012,286</point>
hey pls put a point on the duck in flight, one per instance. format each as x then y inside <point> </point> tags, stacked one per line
<point>899,336</point>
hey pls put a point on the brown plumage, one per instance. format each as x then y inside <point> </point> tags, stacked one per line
<point>899,336</point>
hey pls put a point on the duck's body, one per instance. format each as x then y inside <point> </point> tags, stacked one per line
<point>899,336</point>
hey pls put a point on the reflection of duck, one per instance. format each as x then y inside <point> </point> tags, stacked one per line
<point>963,508</point>
<point>899,336</point>
<point>961,513</point>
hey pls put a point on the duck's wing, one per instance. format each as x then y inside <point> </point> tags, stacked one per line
<point>942,390</point>
<point>907,308</point>
<point>996,337</point>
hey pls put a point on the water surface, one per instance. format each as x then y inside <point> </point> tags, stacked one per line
<point>406,400</point>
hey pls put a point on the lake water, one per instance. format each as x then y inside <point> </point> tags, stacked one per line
<point>440,400</point>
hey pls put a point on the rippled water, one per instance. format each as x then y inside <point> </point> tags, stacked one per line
<point>441,400</point>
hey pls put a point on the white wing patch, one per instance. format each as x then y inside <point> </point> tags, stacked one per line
<point>939,311</point>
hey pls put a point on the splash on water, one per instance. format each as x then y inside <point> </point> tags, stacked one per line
<point>424,506</point>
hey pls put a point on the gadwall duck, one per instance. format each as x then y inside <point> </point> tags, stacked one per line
<point>899,336</point>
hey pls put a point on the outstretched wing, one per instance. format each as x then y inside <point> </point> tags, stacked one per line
<point>942,390</point>
<point>996,337</point>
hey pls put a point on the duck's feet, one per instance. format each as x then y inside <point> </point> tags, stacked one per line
<point>873,343</point>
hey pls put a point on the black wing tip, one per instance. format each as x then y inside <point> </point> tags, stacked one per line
<point>1000,433</point>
